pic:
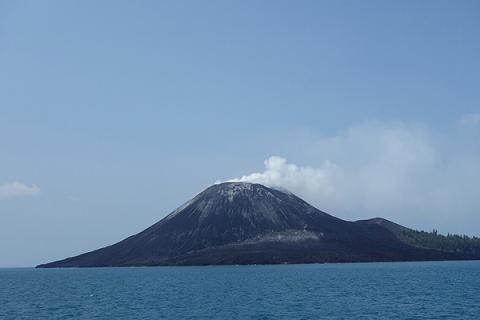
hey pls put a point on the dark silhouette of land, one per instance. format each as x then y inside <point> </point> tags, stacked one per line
<point>245,223</point>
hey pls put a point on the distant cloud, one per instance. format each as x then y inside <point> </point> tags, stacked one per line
<point>73,199</point>
<point>472,119</point>
<point>18,189</point>
<point>405,172</point>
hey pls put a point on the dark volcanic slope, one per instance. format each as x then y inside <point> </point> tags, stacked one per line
<point>244,223</point>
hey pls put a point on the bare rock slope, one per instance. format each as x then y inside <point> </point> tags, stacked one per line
<point>244,223</point>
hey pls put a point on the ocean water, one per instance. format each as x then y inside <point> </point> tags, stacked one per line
<point>418,290</point>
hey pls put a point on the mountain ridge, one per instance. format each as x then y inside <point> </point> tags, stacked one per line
<point>246,223</point>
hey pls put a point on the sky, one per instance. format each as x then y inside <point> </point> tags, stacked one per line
<point>114,113</point>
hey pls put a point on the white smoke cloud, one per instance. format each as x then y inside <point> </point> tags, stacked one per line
<point>17,189</point>
<point>406,173</point>
<point>281,174</point>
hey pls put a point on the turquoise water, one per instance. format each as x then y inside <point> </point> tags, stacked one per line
<point>424,290</point>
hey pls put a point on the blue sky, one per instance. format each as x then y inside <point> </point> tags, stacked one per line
<point>113,113</point>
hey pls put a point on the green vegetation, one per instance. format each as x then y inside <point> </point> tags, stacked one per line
<point>433,240</point>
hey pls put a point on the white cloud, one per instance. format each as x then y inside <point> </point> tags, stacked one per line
<point>17,189</point>
<point>73,199</point>
<point>472,119</point>
<point>406,173</point>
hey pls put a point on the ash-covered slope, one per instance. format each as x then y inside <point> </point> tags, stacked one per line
<point>244,223</point>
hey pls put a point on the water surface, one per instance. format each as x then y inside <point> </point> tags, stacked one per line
<point>419,290</point>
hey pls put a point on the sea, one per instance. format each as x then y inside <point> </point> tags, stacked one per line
<point>406,290</point>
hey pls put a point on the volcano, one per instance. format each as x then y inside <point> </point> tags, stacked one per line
<point>246,223</point>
